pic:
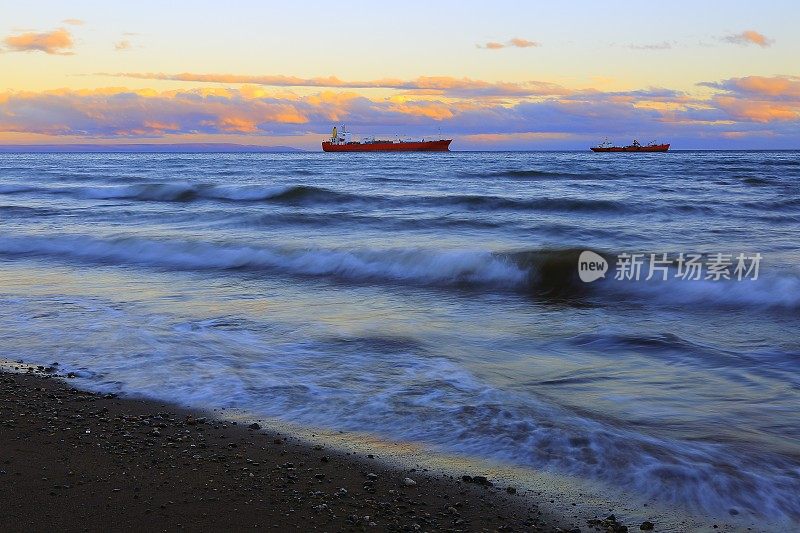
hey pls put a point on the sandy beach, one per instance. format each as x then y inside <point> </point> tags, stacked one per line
<point>78,461</point>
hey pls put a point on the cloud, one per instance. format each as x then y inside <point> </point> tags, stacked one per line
<point>780,87</point>
<point>664,45</point>
<point>749,37</point>
<point>492,46</point>
<point>761,99</point>
<point>516,42</point>
<point>74,22</point>
<point>126,113</point>
<point>523,43</point>
<point>437,85</point>
<point>758,111</point>
<point>56,42</point>
<point>739,108</point>
<point>121,46</point>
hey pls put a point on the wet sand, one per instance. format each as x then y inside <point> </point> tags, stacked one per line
<point>80,461</point>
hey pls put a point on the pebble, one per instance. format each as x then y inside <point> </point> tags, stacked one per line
<point>408,482</point>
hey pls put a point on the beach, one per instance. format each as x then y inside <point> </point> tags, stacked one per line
<point>80,461</point>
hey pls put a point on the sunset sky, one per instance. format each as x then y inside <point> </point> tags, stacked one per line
<point>493,75</point>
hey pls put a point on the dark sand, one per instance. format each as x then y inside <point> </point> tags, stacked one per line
<point>78,461</point>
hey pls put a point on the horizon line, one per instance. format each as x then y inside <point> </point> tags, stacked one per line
<point>222,147</point>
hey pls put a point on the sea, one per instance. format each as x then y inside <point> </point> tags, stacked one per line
<point>438,300</point>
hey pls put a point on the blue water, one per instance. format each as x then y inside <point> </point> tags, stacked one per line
<point>433,298</point>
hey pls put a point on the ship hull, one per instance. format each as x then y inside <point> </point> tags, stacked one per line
<point>421,146</point>
<point>653,148</point>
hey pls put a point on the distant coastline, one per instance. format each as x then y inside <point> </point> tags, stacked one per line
<point>146,148</point>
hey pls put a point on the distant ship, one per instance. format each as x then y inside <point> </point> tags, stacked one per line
<point>635,147</point>
<point>340,142</point>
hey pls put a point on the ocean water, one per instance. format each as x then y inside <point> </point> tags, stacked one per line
<point>434,299</point>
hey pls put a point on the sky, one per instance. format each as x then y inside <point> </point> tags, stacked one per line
<point>502,75</point>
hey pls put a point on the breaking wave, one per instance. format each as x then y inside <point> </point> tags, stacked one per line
<point>548,274</point>
<point>184,192</point>
<point>309,194</point>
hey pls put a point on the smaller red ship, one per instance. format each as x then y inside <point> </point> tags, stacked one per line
<point>635,147</point>
<point>340,142</point>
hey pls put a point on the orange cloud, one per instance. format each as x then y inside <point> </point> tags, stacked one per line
<point>759,98</point>
<point>57,42</point>
<point>516,42</point>
<point>749,37</point>
<point>74,22</point>
<point>525,136</point>
<point>121,46</point>
<point>119,112</point>
<point>523,43</point>
<point>559,116</point>
<point>238,125</point>
<point>448,85</point>
<point>432,110</point>
<point>776,86</point>
<point>758,111</point>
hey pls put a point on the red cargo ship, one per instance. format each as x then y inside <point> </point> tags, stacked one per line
<point>340,142</point>
<point>635,147</point>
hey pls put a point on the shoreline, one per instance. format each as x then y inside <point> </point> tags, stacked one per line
<point>77,460</point>
<point>74,459</point>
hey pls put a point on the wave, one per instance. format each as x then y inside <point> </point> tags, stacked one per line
<point>448,267</point>
<point>546,274</point>
<point>773,204</point>
<point>779,291</point>
<point>533,174</point>
<point>542,204</point>
<point>309,194</point>
<point>184,192</point>
<point>397,389</point>
<point>397,223</point>
<point>756,181</point>
<point>165,192</point>
<point>25,211</point>
<point>14,188</point>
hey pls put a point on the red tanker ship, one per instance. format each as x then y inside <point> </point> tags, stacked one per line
<point>340,142</point>
<point>635,147</point>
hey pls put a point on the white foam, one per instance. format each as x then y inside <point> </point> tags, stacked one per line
<point>770,290</point>
<point>412,264</point>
